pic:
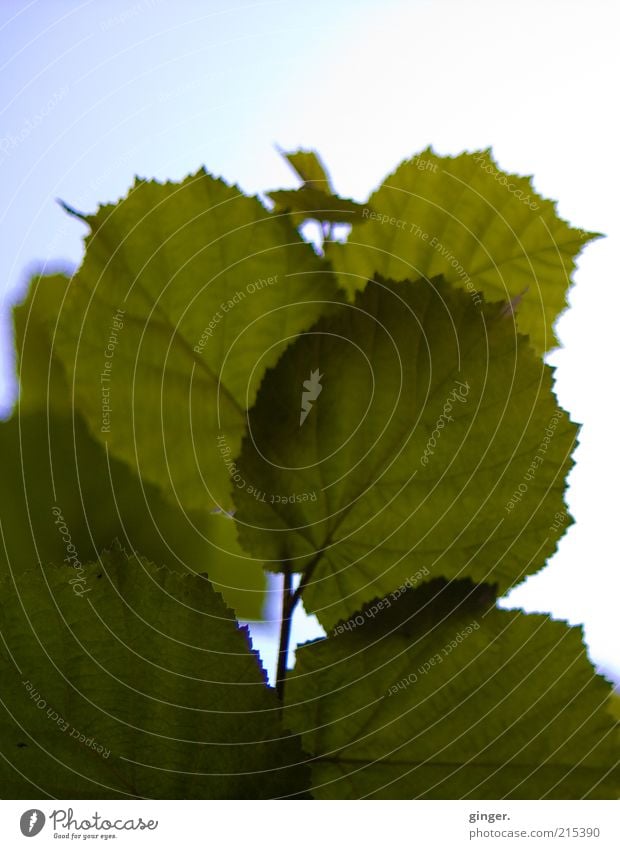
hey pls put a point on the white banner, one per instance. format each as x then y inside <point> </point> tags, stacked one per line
<point>297,825</point>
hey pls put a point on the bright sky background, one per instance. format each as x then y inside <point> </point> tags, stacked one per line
<point>92,93</point>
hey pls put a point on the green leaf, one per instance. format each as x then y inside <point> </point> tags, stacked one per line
<point>316,199</point>
<point>442,696</point>
<point>309,203</point>
<point>480,227</point>
<point>134,682</point>
<point>309,168</point>
<point>614,707</point>
<point>187,293</point>
<point>429,442</point>
<point>41,377</point>
<point>53,461</point>
<point>50,458</point>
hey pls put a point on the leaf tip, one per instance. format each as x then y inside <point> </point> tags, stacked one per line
<point>70,210</point>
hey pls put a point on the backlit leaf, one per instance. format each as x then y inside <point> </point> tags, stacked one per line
<point>432,441</point>
<point>309,203</point>
<point>50,459</point>
<point>187,293</point>
<point>440,695</point>
<point>482,228</point>
<point>130,681</point>
<point>309,168</point>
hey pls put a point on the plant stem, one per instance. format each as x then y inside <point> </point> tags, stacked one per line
<point>289,602</point>
<point>326,228</point>
<point>288,605</point>
<point>305,580</point>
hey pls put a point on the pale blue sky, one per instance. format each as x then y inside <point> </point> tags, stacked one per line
<point>93,93</point>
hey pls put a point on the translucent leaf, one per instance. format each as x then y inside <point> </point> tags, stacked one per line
<point>53,462</point>
<point>480,227</point>
<point>316,199</point>
<point>433,444</point>
<point>187,293</point>
<point>130,681</point>
<point>41,377</point>
<point>439,695</point>
<point>309,203</point>
<point>309,168</point>
<point>50,459</point>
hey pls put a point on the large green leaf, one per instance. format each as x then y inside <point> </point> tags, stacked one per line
<point>49,458</point>
<point>435,443</point>
<point>53,462</point>
<point>134,682</point>
<point>186,294</point>
<point>481,228</point>
<point>41,377</point>
<point>442,696</point>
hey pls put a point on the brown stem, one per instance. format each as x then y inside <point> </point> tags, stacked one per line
<point>306,578</point>
<point>288,605</point>
<point>289,602</point>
